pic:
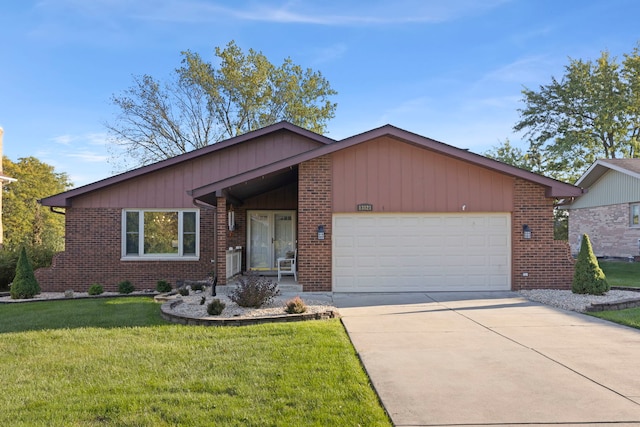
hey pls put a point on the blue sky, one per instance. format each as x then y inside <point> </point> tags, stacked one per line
<point>452,70</point>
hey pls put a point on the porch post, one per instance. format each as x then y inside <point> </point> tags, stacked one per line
<point>221,240</point>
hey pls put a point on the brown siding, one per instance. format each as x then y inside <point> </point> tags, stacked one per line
<point>93,252</point>
<point>398,177</point>
<point>547,262</point>
<point>314,208</point>
<point>167,188</point>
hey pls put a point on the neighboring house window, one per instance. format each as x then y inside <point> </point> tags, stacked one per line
<point>635,215</point>
<point>159,233</point>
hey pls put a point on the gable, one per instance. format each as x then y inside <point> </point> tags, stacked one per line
<point>395,176</point>
<point>612,188</point>
<point>167,186</point>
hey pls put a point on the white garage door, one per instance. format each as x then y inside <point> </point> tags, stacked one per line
<point>421,252</point>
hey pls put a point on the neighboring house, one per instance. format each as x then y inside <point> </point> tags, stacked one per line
<point>610,211</point>
<point>385,210</point>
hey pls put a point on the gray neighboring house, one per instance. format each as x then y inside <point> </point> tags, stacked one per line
<point>610,211</point>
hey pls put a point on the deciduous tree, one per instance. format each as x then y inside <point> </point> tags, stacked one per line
<point>206,103</point>
<point>26,222</point>
<point>592,112</point>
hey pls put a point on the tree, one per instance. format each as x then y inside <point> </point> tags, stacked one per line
<point>588,277</point>
<point>24,284</point>
<point>26,222</point>
<point>592,112</point>
<point>514,156</point>
<point>531,161</point>
<point>204,104</point>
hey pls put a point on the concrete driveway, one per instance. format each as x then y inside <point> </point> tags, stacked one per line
<point>458,358</point>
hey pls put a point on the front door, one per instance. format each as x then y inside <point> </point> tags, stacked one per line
<point>271,234</point>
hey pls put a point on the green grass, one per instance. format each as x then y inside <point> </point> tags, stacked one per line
<point>115,362</point>
<point>621,273</point>
<point>628,317</point>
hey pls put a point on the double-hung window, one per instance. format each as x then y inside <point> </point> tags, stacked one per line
<point>160,234</point>
<point>634,214</point>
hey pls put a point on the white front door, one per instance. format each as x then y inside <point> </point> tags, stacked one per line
<point>270,235</point>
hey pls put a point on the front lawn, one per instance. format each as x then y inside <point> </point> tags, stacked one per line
<point>115,362</point>
<point>621,273</point>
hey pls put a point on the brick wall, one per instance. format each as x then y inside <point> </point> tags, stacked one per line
<point>314,208</point>
<point>608,229</point>
<point>546,262</point>
<point>93,251</point>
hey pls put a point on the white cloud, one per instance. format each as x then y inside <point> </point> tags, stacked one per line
<point>341,13</point>
<point>89,156</point>
<point>63,139</point>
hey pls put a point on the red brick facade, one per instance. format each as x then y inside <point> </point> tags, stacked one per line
<point>93,255</point>
<point>540,262</point>
<point>94,234</point>
<point>314,209</point>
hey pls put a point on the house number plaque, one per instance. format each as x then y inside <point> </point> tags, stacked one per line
<point>365,207</point>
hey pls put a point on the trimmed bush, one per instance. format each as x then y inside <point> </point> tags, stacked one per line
<point>295,306</point>
<point>125,287</point>
<point>95,289</point>
<point>24,284</point>
<point>183,291</point>
<point>254,291</point>
<point>588,277</point>
<point>163,286</point>
<point>215,307</point>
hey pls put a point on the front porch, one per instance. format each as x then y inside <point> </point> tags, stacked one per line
<point>270,215</point>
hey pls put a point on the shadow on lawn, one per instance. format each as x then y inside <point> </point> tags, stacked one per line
<point>113,312</point>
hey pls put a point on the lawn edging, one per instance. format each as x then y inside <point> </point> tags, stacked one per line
<point>617,305</point>
<point>165,312</point>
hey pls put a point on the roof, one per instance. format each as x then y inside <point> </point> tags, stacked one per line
<point>554,188</point>
<point>63,199</point>
<point>629,167</point>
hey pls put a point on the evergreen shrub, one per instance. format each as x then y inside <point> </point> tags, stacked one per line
<point>588,277</point>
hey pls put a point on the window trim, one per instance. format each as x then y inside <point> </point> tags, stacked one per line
<point>140,256</point>
<point>631,206</point>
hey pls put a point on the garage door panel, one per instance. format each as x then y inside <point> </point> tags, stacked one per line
<point>421,252</point>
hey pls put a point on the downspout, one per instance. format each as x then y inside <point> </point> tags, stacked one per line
<point>206,206</point>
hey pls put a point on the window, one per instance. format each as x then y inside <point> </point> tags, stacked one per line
<point>158,234</point>
<point>635,215</point>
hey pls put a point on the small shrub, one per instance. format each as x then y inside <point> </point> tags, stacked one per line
<point>183,291</point>
<point>295,306</point>
<point>125,287</point>
<point>254,291</point>
<point>163,286</point>
<point>95,289</point>
<point>588,277</point>
<point>197,286</point>
<point>215,307</point>
<point>24,284</point>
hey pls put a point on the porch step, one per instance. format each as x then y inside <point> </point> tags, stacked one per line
<point>286,287</point>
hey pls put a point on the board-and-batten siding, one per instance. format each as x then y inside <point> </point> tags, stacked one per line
<point>167,187</point>
<point>611,189</point>
<point>414,180</point>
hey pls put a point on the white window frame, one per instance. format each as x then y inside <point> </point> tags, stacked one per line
<point>631,209</point>
<point>180,256</point>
